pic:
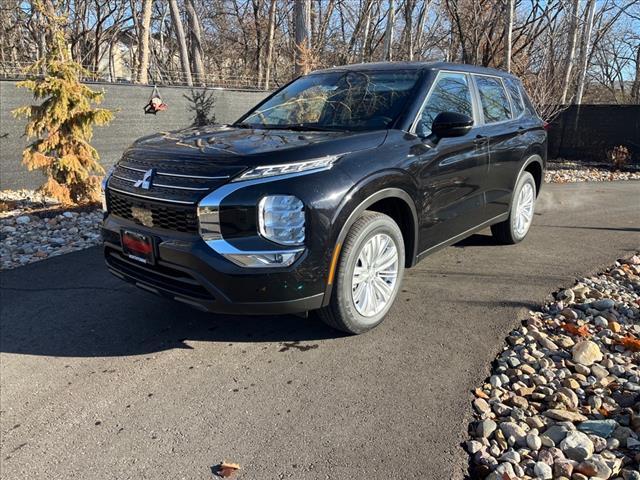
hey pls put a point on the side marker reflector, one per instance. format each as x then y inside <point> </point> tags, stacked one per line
<point>334,263</point>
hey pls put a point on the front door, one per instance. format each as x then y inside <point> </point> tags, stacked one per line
<point>450,173</point>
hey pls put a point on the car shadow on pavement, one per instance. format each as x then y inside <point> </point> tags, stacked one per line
<point>72,306</point>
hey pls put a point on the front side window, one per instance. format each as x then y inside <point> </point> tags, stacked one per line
<point>494,100</point>
<point>451,93</point>
<point>342,100</point>
<point>516,96</point>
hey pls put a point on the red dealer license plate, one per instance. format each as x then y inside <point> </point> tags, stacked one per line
<point>137,246</point>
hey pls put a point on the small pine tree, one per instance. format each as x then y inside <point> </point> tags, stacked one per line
<point>62,125</point>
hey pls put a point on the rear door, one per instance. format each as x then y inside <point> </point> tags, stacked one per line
<point>502,124</point>
<point>450,174</point>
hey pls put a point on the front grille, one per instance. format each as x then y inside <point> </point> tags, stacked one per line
<point>178,218</point>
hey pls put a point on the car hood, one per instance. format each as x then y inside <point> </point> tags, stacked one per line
<point>229,146</point>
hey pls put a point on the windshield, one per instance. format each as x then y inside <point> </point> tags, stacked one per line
<point>337,101</point>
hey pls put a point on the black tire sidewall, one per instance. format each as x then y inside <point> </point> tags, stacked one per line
<point>350,316</point>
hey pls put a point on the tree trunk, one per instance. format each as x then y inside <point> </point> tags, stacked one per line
<point>409,7</point>
<point>420,28</point>
<point>635,88</point>
<point>302,14</point>
<point>257,7</point>
<point>143,42</point>
<point>270,39</point>
<point>388,33</point>
<point>182,42</point>
<point>585,45</point>
<point>197,54</point>
<point>365,35</point>
<point>508,31</point>
<point>571,53</point>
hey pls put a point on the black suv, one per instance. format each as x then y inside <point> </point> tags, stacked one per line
<point>321,196</point>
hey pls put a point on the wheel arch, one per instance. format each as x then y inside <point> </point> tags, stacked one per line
<point>534,164</point>
<point>395,201</point>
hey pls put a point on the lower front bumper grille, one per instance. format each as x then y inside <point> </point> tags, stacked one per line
<point>153,214</point>
<point>163,278</point>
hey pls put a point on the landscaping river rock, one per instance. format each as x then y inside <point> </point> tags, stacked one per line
<point>563,399</point>
<point>33,227</point>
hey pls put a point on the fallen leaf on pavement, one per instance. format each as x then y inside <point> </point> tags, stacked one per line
<point>226,469</point>
<point>480,393</point>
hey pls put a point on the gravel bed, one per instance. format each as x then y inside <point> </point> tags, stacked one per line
<point>563,398</point>
<point>565,171</point>
<point>34,227</point>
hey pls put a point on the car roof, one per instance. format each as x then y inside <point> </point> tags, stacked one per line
<point>387,66</point>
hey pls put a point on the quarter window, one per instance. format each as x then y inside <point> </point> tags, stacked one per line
<point>516,96</point>
<point>451,93</point>
<point>494,100</point>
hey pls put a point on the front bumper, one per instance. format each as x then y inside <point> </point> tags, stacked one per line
<point>189,271</point>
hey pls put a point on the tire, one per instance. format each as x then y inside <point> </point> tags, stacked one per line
<point>509,231</point>
<point>346,313</point>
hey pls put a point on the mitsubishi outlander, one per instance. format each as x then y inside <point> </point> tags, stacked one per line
<point>322,195</point>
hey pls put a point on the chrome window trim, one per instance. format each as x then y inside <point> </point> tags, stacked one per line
<point>504,87</point>
<point>412,129</point>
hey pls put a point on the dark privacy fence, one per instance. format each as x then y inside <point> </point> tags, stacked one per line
<point>185,104</point>
<point>589,132</point>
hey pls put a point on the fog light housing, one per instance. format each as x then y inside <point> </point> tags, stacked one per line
<point>281,219</point>
<point>209,222</point>
<point>264,259</point>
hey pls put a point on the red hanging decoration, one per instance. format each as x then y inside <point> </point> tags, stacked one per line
<point>155,104</point>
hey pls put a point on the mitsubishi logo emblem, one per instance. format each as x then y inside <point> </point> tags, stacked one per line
<point>147,180</point>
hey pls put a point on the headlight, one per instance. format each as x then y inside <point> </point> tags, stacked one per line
<point>309,166</point>
<point>281,219</point>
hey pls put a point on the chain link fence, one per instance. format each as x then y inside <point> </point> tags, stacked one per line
<point>160,77</point>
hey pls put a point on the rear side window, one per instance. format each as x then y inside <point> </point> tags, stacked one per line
<point>494,100</point>
<point>451,93</point>
<point>516,96</point>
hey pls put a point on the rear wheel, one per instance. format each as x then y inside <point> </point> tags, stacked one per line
<point>516,227</point>
<point>369,274</point>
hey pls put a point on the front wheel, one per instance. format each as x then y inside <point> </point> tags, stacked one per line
<point>516,227</point>
<point>369,274</point>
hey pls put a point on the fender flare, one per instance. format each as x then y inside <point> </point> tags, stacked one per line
<point>534,158</point>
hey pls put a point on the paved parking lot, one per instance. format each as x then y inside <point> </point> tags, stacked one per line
<point>100,380</point>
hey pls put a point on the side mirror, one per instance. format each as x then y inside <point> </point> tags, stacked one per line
<point>451,124</point>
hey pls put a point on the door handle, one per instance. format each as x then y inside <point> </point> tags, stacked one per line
<point>480,140</point>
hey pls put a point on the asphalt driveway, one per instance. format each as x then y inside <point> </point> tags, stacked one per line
<point>100,380</point>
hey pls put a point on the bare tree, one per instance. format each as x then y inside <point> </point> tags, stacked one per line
<point>388,33</point>
<point>508,33</point>
<point>571,52</point>
<point>302,13</point>
<point>143,42</point>
<point>196,42</point>
<point>270,41</point>
<point>182,42</point>
<point>585,45</point>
